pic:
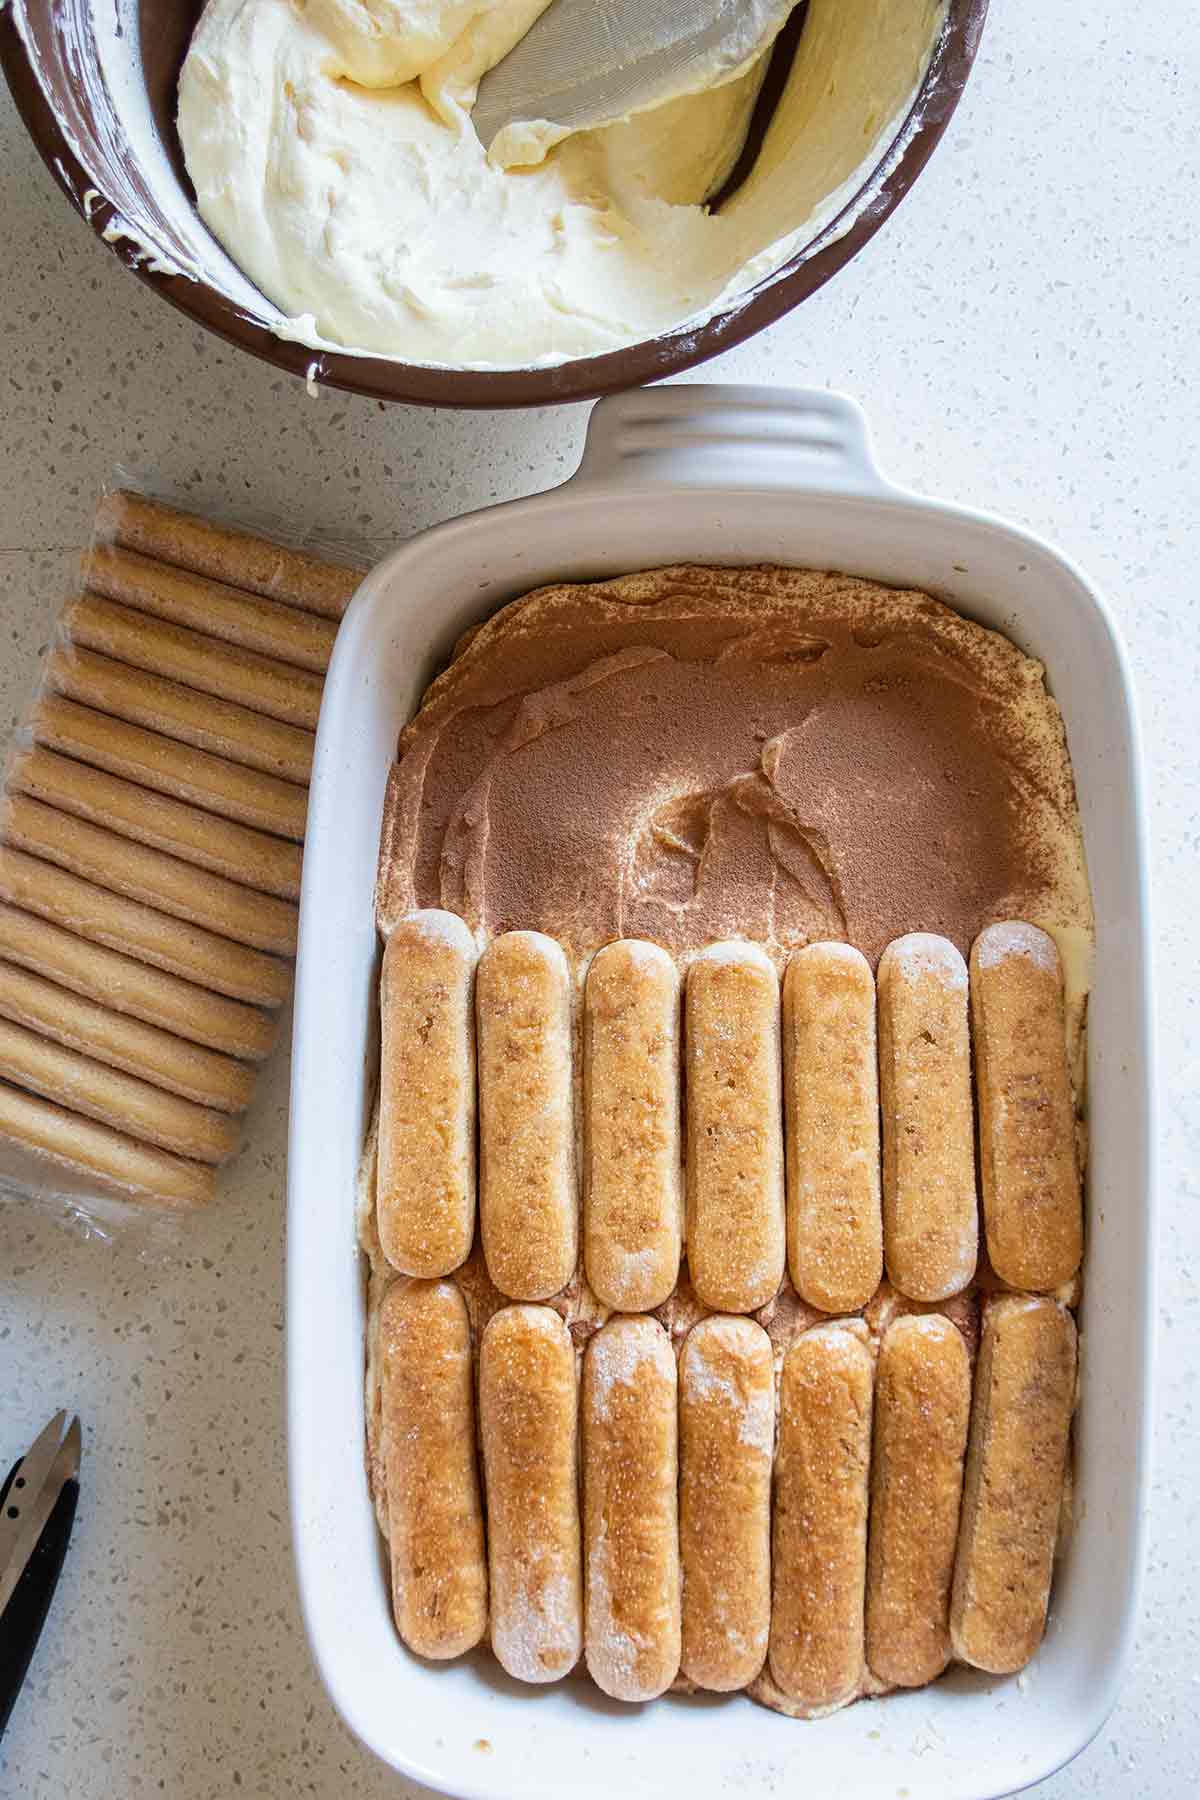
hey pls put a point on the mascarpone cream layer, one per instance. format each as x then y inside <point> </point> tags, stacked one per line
<point>332,152</point>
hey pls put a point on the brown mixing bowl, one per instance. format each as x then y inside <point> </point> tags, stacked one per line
<point>95,85</point>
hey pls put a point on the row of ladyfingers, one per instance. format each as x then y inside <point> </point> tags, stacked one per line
<point>151,833</point>
<point>842,1525</point>
<point>844,1202</point>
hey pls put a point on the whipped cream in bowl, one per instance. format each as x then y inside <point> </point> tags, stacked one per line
<point>333,156</point>
<point>314,191</point>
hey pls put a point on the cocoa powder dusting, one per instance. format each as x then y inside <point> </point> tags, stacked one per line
<point>776,754</point>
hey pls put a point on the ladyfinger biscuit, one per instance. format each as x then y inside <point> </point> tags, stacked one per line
<point>632,1197</point>
<point>930,1226</point>
<point>210,606</point>
<point>124,1043</point>
<point>131,987</point>
<point>831,1103</point>
<point>726,1449</point>
<point>202,957</point>
<point>154,761</point>
<point>86,1086</point>
<point>1032,1210</point>
<point>426,1194</point>
<point>261,683</point>
<point>253,858</point>
<point>528,1416</point>
<point>1012,1491</point>
<point>149,876</point>
<point>630,1512</point>
<point>528,1206</point>
<point>439,1570</point>
<point>227,554</point>
<point>922,1406</point>
<point>97,1151</point>
<point>176,711</point>
<point>736,1229</point>
<point>820,1531</point>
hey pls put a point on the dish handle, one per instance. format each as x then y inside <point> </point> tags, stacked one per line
<point>699,435</point>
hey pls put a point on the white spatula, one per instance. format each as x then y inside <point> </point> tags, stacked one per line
<point>584,63</point>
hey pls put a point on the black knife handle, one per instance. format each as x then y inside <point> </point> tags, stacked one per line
<point>22,1620</point>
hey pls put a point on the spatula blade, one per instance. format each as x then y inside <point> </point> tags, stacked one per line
<point>584,63</point>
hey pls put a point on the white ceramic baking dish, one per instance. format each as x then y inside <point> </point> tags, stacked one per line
<point>727,475</point>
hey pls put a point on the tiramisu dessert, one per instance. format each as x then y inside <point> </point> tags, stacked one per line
<point>724,1212</point>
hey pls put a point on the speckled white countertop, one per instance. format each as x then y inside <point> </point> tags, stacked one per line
<point>1024,337</point>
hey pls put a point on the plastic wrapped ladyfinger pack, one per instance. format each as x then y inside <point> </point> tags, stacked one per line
<point>151,836</point>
